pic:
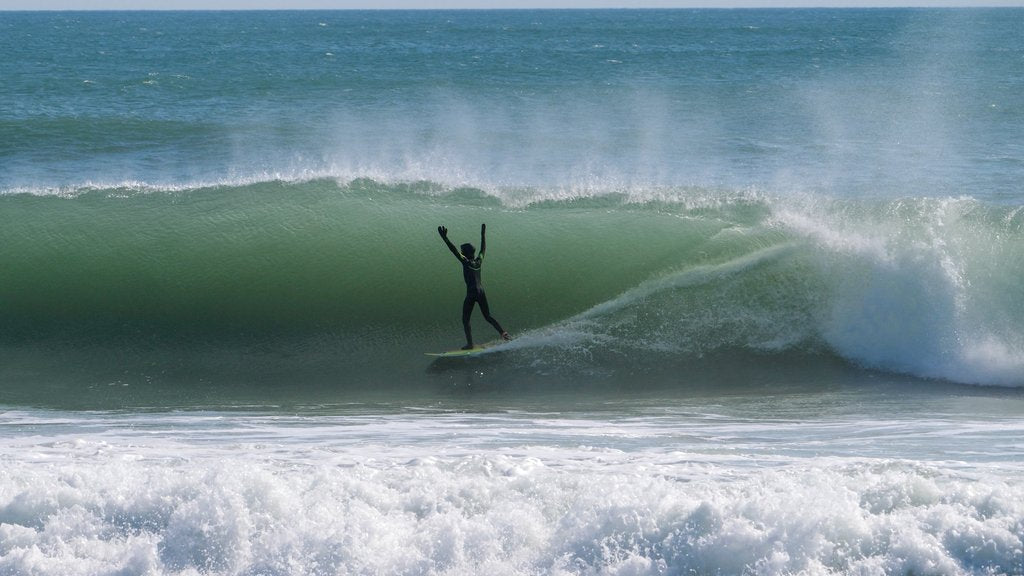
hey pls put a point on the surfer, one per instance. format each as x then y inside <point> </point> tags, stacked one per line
<point>471,264</point>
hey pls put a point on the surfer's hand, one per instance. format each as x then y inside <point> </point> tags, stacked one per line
<point>442,231</point>
<point>483,228</point>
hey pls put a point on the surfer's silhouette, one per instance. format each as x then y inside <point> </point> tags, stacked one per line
<point>471,263</point>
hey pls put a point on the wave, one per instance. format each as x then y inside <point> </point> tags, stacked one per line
<point>353,270</point>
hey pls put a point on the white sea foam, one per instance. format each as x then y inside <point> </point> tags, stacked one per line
<point>503,514</point>
<point>504,494</point>
<point>907,284</point>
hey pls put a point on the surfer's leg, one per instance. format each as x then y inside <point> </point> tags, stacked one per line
<point>467,310</point>
<point>486,310</point>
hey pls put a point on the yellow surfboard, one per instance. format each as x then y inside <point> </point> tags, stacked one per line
<point>457,353</point>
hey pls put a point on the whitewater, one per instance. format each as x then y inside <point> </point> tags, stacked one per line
<point>763,270</point>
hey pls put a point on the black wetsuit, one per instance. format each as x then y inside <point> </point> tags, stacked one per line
<point>475,295</point>
<point>474,286</point>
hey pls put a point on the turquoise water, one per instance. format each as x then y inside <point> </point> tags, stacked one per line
<point>763,269</point>
<point>892,103</point>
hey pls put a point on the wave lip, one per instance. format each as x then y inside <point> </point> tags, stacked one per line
<point>922,286</point>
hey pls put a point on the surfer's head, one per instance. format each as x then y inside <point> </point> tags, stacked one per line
<point>468,250</point>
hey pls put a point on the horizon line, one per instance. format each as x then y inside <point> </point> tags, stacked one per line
<point>535,8</point>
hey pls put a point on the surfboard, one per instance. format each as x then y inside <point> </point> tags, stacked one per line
<point>458,353</point>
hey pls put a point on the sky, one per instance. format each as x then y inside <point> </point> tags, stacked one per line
<point>423,4</point>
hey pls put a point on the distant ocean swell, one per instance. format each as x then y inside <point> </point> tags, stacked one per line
<point>923,286</point>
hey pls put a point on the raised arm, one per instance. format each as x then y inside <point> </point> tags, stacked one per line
<point>483,239</point>
<point>444,236</point>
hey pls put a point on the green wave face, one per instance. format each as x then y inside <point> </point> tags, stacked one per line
<point>318,255</point>
<point>355,272</point>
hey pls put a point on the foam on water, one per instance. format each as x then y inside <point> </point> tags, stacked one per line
<point>504,494</point>
<point>916,286</point>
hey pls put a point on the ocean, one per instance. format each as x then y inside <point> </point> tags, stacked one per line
<point>763,270</point>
